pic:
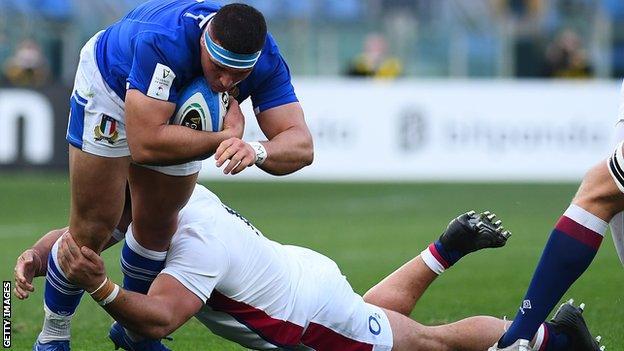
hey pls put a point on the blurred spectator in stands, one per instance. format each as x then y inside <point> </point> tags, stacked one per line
<point>566,57</point>
<point>27,66</point>
<point>374,60</point>
<point>527,21</point>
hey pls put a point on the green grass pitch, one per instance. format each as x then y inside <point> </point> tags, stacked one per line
<point>368,229</point>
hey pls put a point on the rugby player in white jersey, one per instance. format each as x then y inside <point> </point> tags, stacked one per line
<point>264,295</point>
<point>127,85</point>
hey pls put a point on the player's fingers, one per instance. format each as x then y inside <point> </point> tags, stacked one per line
<point>222,147</point>
<point>73,248</point>
<point>63,250</point>
<point>62,259</point>
<point>20,293</point>
<point>226,155</point>
<point>21,281</point>
<point>234,161</point>
<point>247,161</point>
<point>90,255</point>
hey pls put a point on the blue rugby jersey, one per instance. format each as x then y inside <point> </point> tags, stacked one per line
<point>156,49</point>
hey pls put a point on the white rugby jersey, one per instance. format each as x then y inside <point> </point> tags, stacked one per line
<point>264,295</point>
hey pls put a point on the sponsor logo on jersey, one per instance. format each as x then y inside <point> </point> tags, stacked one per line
<point>161,82</point>
<point>107,130</point>
<point>373,324</point>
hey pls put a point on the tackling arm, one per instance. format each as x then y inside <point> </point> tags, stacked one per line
<point>33,262</point>
<point>166,307</point>
<point>153,141</point>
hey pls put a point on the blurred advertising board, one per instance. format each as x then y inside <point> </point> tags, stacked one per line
<point>33,124</point>
<point>406,130</point>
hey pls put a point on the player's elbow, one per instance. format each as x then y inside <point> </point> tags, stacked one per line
<point>308,152</point>
<point>158,330</point>
<point>146,153</point>
<point>144,156</point>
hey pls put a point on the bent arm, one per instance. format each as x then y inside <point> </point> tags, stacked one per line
<point>166,307</point>
<point>152,140</point>
<point>290,145</point>
<point>43,246</point>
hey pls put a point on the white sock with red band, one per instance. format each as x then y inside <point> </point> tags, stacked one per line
<point>434,260</point>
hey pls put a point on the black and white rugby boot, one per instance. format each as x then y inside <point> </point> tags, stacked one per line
<point>473,231</point>
<point>569,320</point>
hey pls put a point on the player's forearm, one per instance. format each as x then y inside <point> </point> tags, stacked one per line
<point>143,314</point>
<point>42,249</point>
<point>288,152</point>
<point>43,246</point>
<point>172,144</point>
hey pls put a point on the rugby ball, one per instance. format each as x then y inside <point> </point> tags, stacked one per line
<point>200,108</point>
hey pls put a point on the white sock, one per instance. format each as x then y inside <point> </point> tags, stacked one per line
<point>55,327</point>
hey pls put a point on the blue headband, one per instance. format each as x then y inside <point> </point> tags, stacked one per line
<point>229,58</point>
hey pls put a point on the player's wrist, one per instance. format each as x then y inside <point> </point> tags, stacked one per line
<point>260,152</point>
<point>105,293</point>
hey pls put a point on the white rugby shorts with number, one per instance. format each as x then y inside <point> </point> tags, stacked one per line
<point>265,295</point>
<point>96,119</point>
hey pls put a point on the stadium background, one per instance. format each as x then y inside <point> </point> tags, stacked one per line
<point>499,104</point>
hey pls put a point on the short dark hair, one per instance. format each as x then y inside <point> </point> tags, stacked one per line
<point>239,28</point>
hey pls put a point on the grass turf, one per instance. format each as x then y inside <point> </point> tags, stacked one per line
<point>368,229</point>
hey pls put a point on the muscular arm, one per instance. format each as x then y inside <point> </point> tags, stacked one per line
<point>33,262</point>
<point>290,146</point>
<point>153,141</point>
<point>166,307</point>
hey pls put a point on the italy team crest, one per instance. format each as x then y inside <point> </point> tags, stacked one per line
<point>107,130</point>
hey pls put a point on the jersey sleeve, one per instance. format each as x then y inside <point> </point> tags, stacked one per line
<point>151,72</point>
<point>198,261</point>
<point>276,88</point>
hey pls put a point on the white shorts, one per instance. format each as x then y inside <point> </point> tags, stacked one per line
<point>97,118</point>
<point>347,322</point>
<point>324,315</point>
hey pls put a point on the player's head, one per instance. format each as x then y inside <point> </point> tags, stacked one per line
<point>231,45</point>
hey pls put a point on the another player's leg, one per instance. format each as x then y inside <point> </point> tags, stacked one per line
<point>467,233</point>
<point>571,247</point>
<point>476,333</point>
<point>156,200</point>
<point>97,193</point>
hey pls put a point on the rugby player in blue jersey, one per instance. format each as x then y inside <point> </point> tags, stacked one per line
<point>125,91</point>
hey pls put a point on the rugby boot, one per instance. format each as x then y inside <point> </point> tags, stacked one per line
<point>121,340</point>
<point>473,231</point>
<point>60,345</point>
<point>520,345</point>
<point>569,320</point>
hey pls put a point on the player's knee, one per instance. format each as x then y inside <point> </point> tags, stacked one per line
<point>599,194</point>
<point>92,231</point>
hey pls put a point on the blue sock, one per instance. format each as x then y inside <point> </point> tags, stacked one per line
<point>61,298</point>
<point>439,259</point>
<point>569,251</point>
<point>450,256</point>
<point>139,265</point>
